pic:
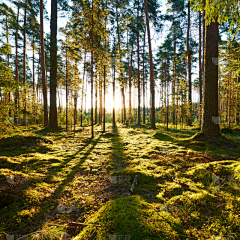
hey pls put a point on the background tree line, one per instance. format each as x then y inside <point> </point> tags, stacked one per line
<point>107,45</point>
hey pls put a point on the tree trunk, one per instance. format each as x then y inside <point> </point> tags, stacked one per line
<point>210,120</point>
<point>189,68</point>
<point>238,102</point>
<point>151,69</point>
<point>24,65</point>
<point>75,111</point>
<point>96,102</point>
<point>114,120</point>
<point>101,99</point>
<point>104,99</point>
<point>53,67</point>
<point>144,76</point>
<point>92,127</point>
<point>138,56</point>
<point>174,76</point>
<point>8,64</point>
<point>16,94</point>
<point>200,61</point>
<point>75,98</point>
<point>124,105</point>
<point>67,91</point>
<point>33,98</point>
<point>44,84</point>
<point>130,86</point>
<point>83,88</point>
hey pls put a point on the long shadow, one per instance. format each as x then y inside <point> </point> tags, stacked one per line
<point>50,200</point>
<point>118,152</point>
<point>117,145</point>
<point>15,146</point>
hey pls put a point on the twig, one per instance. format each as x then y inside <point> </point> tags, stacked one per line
<point>92,236</point>
<point>135,182</point>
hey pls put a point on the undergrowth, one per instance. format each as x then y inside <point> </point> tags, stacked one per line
<point>188,188</point>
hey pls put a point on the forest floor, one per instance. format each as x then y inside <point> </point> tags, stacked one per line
<point>51,180</point>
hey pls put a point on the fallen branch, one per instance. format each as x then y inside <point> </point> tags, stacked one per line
<point>75,224</point>
<point>58,225</point>
<point>135,182</point>
<point>92,236</point>
<point>84,224</point>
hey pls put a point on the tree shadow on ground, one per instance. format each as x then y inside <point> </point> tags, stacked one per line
<point>17,145</point>
<point>47,203</point>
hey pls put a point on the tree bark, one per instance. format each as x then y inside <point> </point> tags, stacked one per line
<point>33,98</point>
<point>138,56</point>
<point>100,99</point>
<point>67,91</point>
<point>83,83</point>
<point>92,126</point>
<point>53,67</point>
<point>104,99</point>
<point>210,120</point>
<point>24,65</point>
<point>124,105</point>
<point>144,76</point>
<point>96,101</point>
<point>130,86</point>
<point>189,68</point>
<point>114,120</point>
<point>151,70</point>
<point>16,94</point>
<point>200,60</point>
<point>44,84</point>
<point>174,75</point>
<point>238,98</point>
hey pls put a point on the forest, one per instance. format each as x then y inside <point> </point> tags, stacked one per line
<point>119,119</point>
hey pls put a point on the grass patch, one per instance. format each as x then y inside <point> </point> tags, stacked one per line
<point>188,187</point>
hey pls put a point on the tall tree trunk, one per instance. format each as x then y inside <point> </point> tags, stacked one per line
<point>174,75</point>
<point>104,99</point>
<point>44,83</point>
<point>101,99</point>
<point>33,98</point>
<point>83,83</point>
<point>92,127</point>
<point>16,94</point>
<point>165,80</point>
<point>238,100</point>
<point>8,64</point>
<point>189,67</point>
<point>144,76</point>
<point>96,101</point>
<point>124,105</point>
<point>203,50</point>
<point>167,107</point>
<point>200,60</point>
<point>210,120</point>
<point>24,65</point>
<point>114,118</point>
<point>75,97</point>
<point>130,86</point>
<point>75,110</point>
<point>151,69</point>
<point>53,66</point>
<point>67,91</point>
<point>138,56</point>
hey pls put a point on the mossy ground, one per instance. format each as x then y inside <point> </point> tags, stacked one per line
<point>188,189</point>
